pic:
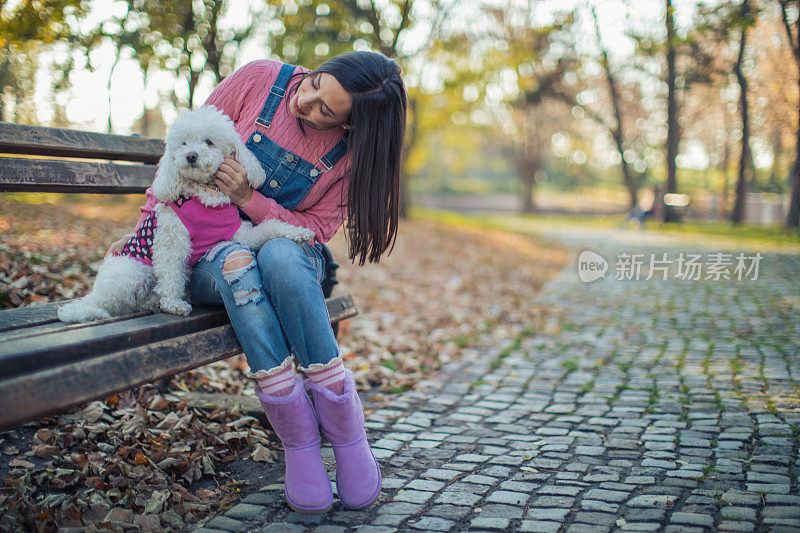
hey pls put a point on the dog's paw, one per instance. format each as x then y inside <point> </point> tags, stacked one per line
<point>303,235</point>
<point>175,306</point>
<point>81,311</point>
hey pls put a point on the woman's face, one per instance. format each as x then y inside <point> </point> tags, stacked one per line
<point>321,102</point>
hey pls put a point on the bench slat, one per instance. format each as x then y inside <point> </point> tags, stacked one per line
<point>43,318</point>
<point>41,140</point>
<point>48,175</point>
<point>23,350</point>
<point>52,327</point>
<point>19,320</point>
<point>29,354</point>
<point>27,316</point>
<point>64,387</point>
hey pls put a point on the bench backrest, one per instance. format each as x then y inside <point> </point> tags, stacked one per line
<point>42,159</point>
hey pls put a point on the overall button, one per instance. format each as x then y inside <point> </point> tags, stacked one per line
<point>314,172</point>
<point>273,183</point>
<point>289,158</point>
<point>256,138</point>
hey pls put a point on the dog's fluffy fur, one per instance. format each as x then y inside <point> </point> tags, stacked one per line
<point>125,285</point>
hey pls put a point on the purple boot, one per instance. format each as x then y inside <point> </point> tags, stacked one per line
<point>358,478</point>
<point>307,486</point>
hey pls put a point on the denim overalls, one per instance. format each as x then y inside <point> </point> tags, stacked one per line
<point>275,301</point>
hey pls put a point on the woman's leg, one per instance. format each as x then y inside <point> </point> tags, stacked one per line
<point>291,275</point>
<point>228,275</point>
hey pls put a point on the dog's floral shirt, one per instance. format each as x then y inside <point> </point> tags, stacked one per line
<point>207,225</point>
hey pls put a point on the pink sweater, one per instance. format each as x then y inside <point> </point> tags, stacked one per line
<point>241,96</point>
<point>206,225</point>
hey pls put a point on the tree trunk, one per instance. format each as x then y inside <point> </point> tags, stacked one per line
<point>627,176</point>
<point>527,163</point>
<point>726,162</point>
<point>5,78</point>
<point>108,86</point>
<point>209,43</point>
<point>745,161</point>
<point>793,216</point>
<point>672,113</point>
<point>776,172</point>
<point>194,78</point>
<point>616,132</point>
<point>527,194</point>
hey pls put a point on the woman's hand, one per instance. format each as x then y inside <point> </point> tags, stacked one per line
<point>118,246</point>
<point>231,178</point>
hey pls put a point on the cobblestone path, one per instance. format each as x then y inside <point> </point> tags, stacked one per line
<point>649,405</point>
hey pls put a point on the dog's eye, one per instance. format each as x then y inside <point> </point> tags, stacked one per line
<point>208,142</point>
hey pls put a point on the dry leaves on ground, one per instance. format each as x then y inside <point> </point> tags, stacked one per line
<point>127,464</point>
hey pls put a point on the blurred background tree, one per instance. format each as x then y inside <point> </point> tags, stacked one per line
<point>790,16</point>
<point>26,28</point>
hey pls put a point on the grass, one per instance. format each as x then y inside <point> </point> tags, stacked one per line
<point>719,232</point>
<point>776,234</point>
<point>708,470</point>
<point>570,365</point>
<point>720,500</point>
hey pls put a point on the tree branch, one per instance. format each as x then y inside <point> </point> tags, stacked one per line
<point>403,22</point>
<point>792,41</point>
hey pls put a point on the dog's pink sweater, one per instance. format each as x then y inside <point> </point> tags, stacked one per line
<point>241,96</point>
<point>206,225</point>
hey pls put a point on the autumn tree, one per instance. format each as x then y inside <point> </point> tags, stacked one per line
<point>673,128</point>
<point>722,29</point>
<point>25,28</point>
<point>746,167</point>
<point>611,99</point>
<point>775,96</point>
<point>790,16</point>
<point>683,60</point>
<point>186,37</point>
<point>531,54</point>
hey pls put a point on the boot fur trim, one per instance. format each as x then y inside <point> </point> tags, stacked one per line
<point>284,399</point>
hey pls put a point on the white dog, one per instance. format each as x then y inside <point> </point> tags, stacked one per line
<point>180,228</point>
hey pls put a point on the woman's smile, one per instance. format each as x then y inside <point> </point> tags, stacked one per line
<point>320,102</point>
<point>297,111</point>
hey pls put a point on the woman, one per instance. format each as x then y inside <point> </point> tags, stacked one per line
<point>330,141</point>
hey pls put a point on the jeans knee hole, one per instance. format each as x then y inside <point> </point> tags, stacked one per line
<point>246,296</point>
<point>236,264</point>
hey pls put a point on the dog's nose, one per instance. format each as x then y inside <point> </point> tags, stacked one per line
<point>191,157</point>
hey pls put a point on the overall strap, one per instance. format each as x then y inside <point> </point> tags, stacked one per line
<point>276,94</point>
<point>334,154</point>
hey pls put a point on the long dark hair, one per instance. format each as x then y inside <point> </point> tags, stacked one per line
<point>375,142</point>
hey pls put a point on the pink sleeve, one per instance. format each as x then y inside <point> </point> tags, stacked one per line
<point>233,91</point>
<point>323,218</point>
<point>147,208</point>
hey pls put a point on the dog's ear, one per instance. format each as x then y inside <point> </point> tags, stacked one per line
<point>255,172</point>
<point>166,187</point>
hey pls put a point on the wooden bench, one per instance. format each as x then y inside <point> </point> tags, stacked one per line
<point>47,366</point>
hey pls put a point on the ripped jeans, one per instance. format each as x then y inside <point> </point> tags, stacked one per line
<point>274,300</point>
